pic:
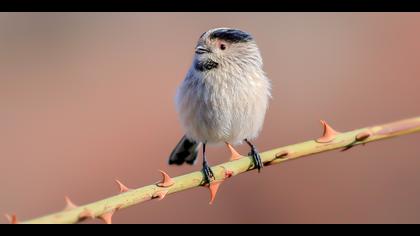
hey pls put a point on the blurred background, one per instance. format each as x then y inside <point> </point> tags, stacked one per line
<point>89,97</point>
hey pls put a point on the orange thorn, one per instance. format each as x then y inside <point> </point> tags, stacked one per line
<point>122,187</point>
<point>363,135</point>
<point>107,217</point>
<point>86,214</point>
<point>213,187</point>
<point>166,181</point>
<point>160,194</point>
<point>69,204</point>
<point>234,154</point>
<point>329,133</point>
<point>12,219</point>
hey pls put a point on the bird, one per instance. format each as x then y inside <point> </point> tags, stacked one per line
<point>223,98</point>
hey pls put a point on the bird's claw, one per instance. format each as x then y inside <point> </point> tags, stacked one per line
<point>258,164</point>
<point>208,174</point>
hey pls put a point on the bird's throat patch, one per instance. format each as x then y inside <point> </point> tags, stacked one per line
<point>205,65</point>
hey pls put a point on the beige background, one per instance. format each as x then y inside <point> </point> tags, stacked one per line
<point>86,98</point>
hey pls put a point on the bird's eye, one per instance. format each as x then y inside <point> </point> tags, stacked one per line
<point>222,46</point>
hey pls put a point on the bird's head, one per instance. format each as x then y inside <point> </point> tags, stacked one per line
<point>226,49</point>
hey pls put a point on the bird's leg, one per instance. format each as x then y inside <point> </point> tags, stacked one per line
<point>255,156</point>
<point>234,154</point>
<point>208,173</point>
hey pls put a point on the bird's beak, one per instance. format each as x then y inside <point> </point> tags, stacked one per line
<point>201,49</point>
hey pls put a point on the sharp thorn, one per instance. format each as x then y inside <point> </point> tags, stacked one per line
<point>107,217</point>
<point>213,187</point>
<point>122,187</point>
<point>234,155</point>
<point>69,204</point>
<point>12,219</point>
<point>328,135</point>
<point>167,181</point>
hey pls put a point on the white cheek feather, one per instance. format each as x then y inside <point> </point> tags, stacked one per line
<point>226,104</point>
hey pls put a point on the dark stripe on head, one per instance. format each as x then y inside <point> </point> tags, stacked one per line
<point>231,35</point>
<point>205,65</point>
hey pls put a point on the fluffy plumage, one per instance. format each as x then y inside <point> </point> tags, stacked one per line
<point>225,94</point>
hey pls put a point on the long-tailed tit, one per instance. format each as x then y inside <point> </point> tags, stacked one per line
<point>223,98</point>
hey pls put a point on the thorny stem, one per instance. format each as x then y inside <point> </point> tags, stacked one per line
<point>342,141</point>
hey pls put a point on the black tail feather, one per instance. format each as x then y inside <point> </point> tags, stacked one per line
<point>186,151</point>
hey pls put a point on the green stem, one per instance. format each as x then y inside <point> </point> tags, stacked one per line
<point>195,179</point>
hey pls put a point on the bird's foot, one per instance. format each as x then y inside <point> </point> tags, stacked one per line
<point>258,164</point>
<point>208,173</point>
